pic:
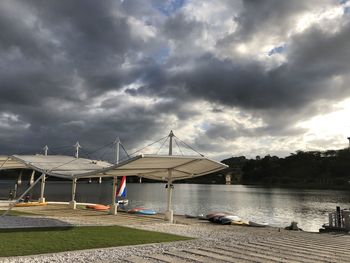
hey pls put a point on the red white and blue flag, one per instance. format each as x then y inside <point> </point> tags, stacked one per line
<point>121,192</point>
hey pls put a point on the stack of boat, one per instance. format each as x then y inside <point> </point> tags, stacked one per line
<point>225,218</point>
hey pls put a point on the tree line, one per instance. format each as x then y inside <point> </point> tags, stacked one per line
<point>328,169</point>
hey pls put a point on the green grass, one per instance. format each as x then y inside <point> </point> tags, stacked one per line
<point>17,213</point>
<point>19,242</point>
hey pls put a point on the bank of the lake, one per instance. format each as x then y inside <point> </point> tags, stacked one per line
<point>276,206</point>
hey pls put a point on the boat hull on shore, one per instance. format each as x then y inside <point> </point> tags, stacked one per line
<point>29,204</point>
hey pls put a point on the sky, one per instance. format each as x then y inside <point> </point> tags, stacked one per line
<point>229,77</point>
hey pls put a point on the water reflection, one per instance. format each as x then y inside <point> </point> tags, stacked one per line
<point>275,206</point>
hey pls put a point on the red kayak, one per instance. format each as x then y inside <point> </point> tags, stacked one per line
<point>98,207</point>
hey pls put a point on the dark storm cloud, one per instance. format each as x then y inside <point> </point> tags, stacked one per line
<point>56,56</point>
<point>178,27</point>
<point>320,52</point>
<point>271,16</point>
<point>62,62</point>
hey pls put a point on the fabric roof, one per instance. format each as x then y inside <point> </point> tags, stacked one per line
<point>149,166</point>
<point>6,162</point>
<point>156,167</point>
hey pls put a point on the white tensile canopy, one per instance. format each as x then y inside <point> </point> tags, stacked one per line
<point>157,167</point>
<point>154,167</point>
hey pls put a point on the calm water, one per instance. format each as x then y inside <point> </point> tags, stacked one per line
<point>275,206</point>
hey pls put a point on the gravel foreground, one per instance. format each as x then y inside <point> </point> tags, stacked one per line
<point>207,236</point>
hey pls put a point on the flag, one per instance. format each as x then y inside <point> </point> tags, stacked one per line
<point>121,192</point>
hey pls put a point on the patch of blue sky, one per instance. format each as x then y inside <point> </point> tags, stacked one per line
<point>161,55</point>
<point>347,10</point>
<point>169,7</point>
<point>205,126</point>
<point>277,50</point>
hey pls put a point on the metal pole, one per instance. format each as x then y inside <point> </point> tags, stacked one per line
<point>31,180</point>
<point>19,198</point>
<point>46,148</point>
<point>15,194</point>
<point>170,192</point>
<point>171,135</point>
<point>114,207</point>
<point>19,180</point>
<point>77,146</point>
<point>73,203</point>
<point>42,190</point>
<point>169,214</point>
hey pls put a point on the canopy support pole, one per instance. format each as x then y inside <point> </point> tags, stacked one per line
<point>31,180</point>
<point>42,190</point>
<point>114,206</point>
<point>73,203</point>
<point>169,213</point>
<point>19,180</point>
<point>25,192</point>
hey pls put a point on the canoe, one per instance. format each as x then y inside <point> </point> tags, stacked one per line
<point>227,220</point>
<point>98,207</point>
<point>216,219</point>
<point>224,221</point>
<point>233,218</point>
<point>240,223</point>
<point>134,210</point>
<point>146,212</point>
<point>142,211</point>
<point>257,224</point>
<point>216,214</point>
<point>200,216</point>
<point>28,204</point>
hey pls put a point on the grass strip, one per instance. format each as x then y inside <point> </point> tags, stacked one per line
<point>31,241</point>
<point>16,213</point>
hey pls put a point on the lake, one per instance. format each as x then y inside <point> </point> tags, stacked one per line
<point>276,206</point>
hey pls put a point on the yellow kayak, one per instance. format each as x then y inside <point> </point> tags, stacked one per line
<point>27,204</point>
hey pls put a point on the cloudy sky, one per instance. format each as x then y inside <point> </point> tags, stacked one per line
<point>229,77</point>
